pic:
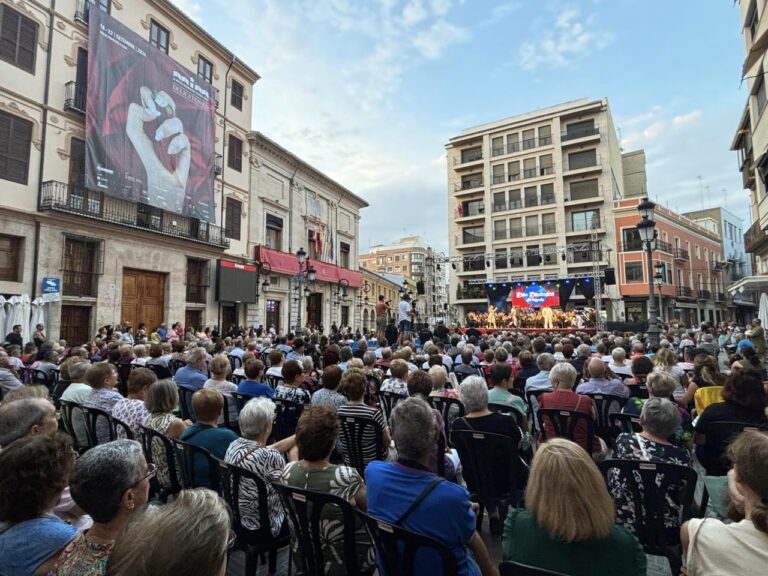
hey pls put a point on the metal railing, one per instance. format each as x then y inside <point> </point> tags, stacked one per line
<point>498,179</point>
<point>500,207</point>
<point>580,165</point>
<point>515,204</point>
<point>218,164</point>
<point>705,295</point>
<point>469,184</point>
<point>470,292</point>
<point>497,151</point>
<point>75,97</point>
<point>584,194</point>
<point>474,265</point>
<point>513,177</point>
<point>77,283</point>
<point>499,234</point>
<point>574,134</point>
<point>549,228</point>
<point>468,156</point>
<point>196,293</point>
<point>472,209</point>
<point>636,246</point>
<point>72,199</point>
<point>513,147</point>
<point>754,237</point>
<point>580,226</point>
<point>470,238</point>
<point>516,232</point>
<point>546,170</point>
<point>684,292</point>
<point>662,246</point>
<point>530,173</point>
<point>547,199</point>
<point>532,230</point>
<point>681,254</point>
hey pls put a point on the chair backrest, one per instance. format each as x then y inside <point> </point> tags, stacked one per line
<point>193,459</point>
<point>67,410</point>
<point>227,415</point>
<point>387,401</point>
<point>491,464</point>
<point>626,423</point>
<point>450,409</point>
<point>185,403</point>
<point>98,432</point>
<point>241,400</point>
<point>353,430</point>
<point>532,399</point>
<point>231,480</point>
<point>175,363</point>
<point>508,409</point>
<point>652,485</point>
<point>639,391</point>
<point>274,381</point>
<point>235,362</point>
<point>160,371</point>
<point>40,377</point>
<point>286,418</point>
<point>564,423</point>
<point>719,435</point>
<point>605,405</point>
<point>372,385</point>
<point>706,396</point>
<point>397,548</point>
<point>306,512</point>
<point>122,430</point>
<point>123,373</point>
<point>517,569</point>
<point>158,449</point>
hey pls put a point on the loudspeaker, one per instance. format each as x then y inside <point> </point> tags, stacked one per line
<point>610,277</point>
<point>420,287</point>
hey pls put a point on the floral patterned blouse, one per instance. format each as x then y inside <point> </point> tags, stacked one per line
<point>82,557</point>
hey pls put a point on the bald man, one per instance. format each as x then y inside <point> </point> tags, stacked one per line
<point>599,384</point>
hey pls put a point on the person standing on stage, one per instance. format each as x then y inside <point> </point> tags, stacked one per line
<point>547,314</point>
<point>405,314</point>
<point>382,312</point>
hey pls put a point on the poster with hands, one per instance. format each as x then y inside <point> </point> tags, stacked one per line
<point>149,124</point>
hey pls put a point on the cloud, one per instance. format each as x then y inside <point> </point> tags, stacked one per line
<point>649,128</point>
<point>190,8</point>
<point>500,12</point>
<point>414,12</point>
<point>571,41</point>
<point>686,119</point>
<point>433,41</point>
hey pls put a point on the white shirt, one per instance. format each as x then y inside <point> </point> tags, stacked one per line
<point>717,548</point>
<point>403,311</point>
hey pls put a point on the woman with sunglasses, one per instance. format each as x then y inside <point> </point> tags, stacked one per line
<point>110,482</point>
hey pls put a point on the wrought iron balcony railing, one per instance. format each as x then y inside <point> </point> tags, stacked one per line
<point>75,97</point>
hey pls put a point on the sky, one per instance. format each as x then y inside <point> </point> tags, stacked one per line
<point>370,91</point>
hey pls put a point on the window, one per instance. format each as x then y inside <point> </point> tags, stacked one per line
<point>545,135</point>
<point>532,256</point>
<point>513,142</point>
<point>18,39</point>
<point>197,280</point>
<point>499,201</point>
<point>205,69</point>
<point>549,253</point>
<point>579,129</point>
<point>344,251</point>
<point>498,174</point>
<point>752,22</point>
<point>15,141</point>
<point>698,251</point>
<point>500,230</point>
<point>531,225</point>
<point>513,171</point>
<point>234,211</point>
<point>516,258</point>
<point>581,221</point>
<point>397,257</point>
<point>236,95</point>
<point>529,168</point>
<point>531,197</point>
<point>500,258</point>
<point>345,315</point>
<point>583,190</point>
<point>158,36</point>
<point>11,256</point>
<point>633,271</point>
<point>235,153</point>
<point>397,268</point>
<point>631,239</point>
<point>274,237</point>
<point>548,224</point>
<point>545,165</point>
<point>516,228</point>
<point>529,139</point>
<point>389,258</point>
<point>146,216</point>
<point>473,234</point>
<point>758,91</point>
<point>515,199</point>
<point>497,146</point>
<point>547,193</point>
<point>80,265</point>
<point>585,159</point>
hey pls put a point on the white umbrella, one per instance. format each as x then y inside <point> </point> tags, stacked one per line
<point>26,310</point>
<point>38,314</point>
<point>10,316</point>
<point>763,311</point>
<point>2,317</point>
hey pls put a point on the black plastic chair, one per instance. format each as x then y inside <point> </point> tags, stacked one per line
<point>185,403</point>
<point>161,372</point>
<point>235,362</point>
<point>605,405</point>
<point>508,409</point>
<point>639,391</point>
<point>252,542</point>
<point>626,423</point>
<point>286,418</point>
<point>123,373</point>
<point>122,430</point>
<point>492,467</point>
<point>517,569</point>
<point>651,485</point>
<point>387,401</point>
<point>274,381</point>
<point>188,458</point>
<point>712,455</point>
<point>158,446</point>
<point>305,510</point>
<point>353,431</point>
<point>174,364</point>
<point>372,386</point>
<point>450,409</point>
<point>396,548</point>
<point>241,400</point>
<point>40,377</point>
<point>98,426</point>
<point>68,410</point>
<point>228,421</point>
<point>533,408</point>
<point>564,424</point>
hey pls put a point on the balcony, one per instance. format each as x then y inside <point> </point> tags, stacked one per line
<point>583,194</point>
<point>754,238</point>
<point>682,254</point>
<point>581,166</point>
<point>471,210</point>
<point>466,185</point>
<point>500,207</point>
<point>473,265</point>
<point>468,156</point>
<point>471,293</point>
<point>548,198</point>
<point>577,134</point>
<point>218,164</point>
<point>705,295</point>
<point>720,296</point>
<point>472,238</point>
<point>75,97</point>
<point>662,246</point>
<point>79,201</point>
<point>583,225</point>
<point>633,246</point>
<point>84,7</point>
<point>684,292</point>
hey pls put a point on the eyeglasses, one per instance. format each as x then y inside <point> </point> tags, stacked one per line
<point>151,472</point>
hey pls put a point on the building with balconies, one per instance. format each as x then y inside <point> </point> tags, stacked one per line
<point>116,259</point>
<point>693,269</point>
<point>526,192</point>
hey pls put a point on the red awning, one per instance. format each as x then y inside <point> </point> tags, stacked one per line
<point>286,263</point>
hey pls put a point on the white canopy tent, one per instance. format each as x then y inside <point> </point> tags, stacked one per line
<point>762,312</point>
<point>2,318</point>
<point>37,316</point>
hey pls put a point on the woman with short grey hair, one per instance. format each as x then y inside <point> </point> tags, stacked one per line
<point>252,453</point>
<point>110,482</point>
<point>413,429</point>
<point>160,400</point>
<point>660,419</point>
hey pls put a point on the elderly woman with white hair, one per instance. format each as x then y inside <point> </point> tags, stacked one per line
<point>618,364</point>
<point>252,453</point>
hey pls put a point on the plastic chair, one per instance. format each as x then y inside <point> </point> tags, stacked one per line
<point>387,401</point>
<point>161,372</point>
<point>241,400</point>
<point>99,432</point>
<point>286,418</point>
<point>396,548</point>
<point>639,391</point>
<point>508,409</point>
<point>233,480</point>
<point>605,405</point>
<point>122,430</point>
<point>530,396</point>
<point>517,569</point>
<point>305,510</point>
<point>450,409</point>
<point>353,431</point>
<point>651,485</point>
<point>123,373</point>
<point>564,423</point>
<point>228,421</point>
<point>68,410</point>
<point>626,423</point>
<point>274,381</point>
<point>174,364</point>
<point>706,396</point>
<point>492,468</point>
<point>371,397</point>
<point>158,447</point>
<point>191,459</point>
<point>185,403</point>
<point>40,377</point>
<point>235,362</point>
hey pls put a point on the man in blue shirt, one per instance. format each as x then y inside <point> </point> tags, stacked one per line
<point>442,510</point>
<point>194,374</point>
<point>253,386</point>
<point>599,384</point>
<point>298,350</point>
<point>238,349</point>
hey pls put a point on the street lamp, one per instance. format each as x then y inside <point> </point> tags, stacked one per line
<point>659,276</point>
<point>266,269</point>
<point>303,279</point>
<point>646,228</point>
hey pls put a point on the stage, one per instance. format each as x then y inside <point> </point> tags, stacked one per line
<point>533,331</point>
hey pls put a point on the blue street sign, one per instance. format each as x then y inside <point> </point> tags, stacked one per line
<point>51,285</point>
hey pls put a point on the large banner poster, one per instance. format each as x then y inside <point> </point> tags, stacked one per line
<point>149,124</point>
<point>523,295</point>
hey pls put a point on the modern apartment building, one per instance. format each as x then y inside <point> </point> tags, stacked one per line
<point>295,206</point>
<point>751,144</point>
<point>415,260</point>
<point>527,193</point>
<point>115,254</point>
<point>693,274</point>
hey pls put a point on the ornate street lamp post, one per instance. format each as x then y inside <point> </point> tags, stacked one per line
<point>647,230</point>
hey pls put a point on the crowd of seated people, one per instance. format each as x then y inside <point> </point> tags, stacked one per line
<point>77,502</point>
